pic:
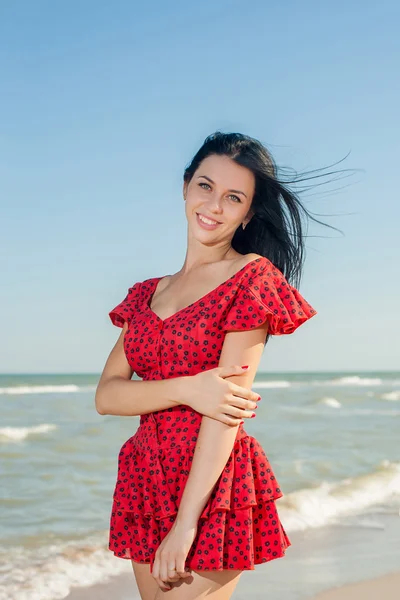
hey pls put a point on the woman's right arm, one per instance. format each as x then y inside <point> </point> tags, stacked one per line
<point>207,393</point>
<point>117,394</point>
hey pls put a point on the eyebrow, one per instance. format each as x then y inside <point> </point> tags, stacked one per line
<point>211,181</point>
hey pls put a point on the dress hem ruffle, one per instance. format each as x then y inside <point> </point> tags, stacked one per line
<point>255,546</point>
<point>151,480</point>
<point>239,519</point>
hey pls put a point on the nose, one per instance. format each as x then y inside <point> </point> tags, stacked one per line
<point>215,204</point>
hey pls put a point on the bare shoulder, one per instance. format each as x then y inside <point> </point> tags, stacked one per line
<point>243,259</point>
<point>251,256</point>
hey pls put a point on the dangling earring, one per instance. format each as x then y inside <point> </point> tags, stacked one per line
<point>243,225</point>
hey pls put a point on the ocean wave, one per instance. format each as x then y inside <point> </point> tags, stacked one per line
<point>345,381</point>
<point>18,390</point>
<point>50,572</point>
<point>393,396</point>
<point>17,434</point>
<point>343,412</point>
<point>322,505</point>
<point>271,384</point>
<point>332,402</point>
<point>354,380</point>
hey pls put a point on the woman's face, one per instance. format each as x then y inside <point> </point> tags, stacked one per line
<point>221,191</point>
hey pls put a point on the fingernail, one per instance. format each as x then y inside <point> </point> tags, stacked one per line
<point>241,422</point>
<point>259,398</point>
<point>245,366</point>
<point>252,416</point>
<point>255,408</point>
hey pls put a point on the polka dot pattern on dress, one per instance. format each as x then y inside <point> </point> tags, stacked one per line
<point>239,526</point>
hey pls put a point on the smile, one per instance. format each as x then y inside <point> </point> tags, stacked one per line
<point>206,222</point>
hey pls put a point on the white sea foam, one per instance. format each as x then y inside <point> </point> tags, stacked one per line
<point>354,380</point>
<point>384,412</point>
<point>343,412</point>
<point>393,396</point>
<point>49,573</point>
<point>332,402</point>
<point>271,384</point>
<point>18,390</point>
<point>322,505</point>
<point>17,434</point>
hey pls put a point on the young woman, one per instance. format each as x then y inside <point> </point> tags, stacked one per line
<point>194,501</point>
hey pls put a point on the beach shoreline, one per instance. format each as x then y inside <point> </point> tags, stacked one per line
<point>385,586</point>
<point>119,587</point>
<point>123,587</point>
<point>338,562</point>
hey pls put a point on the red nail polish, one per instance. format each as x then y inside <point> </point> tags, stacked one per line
<point>259,398</point>
<point>245,366</point>
<point>252,416</point>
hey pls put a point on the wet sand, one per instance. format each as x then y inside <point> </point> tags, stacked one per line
<point>340,562</point>
<point>387,587</point>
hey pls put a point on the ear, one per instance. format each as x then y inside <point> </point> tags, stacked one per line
<point>185,187</point>
<point>249,216</point>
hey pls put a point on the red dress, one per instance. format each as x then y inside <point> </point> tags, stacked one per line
<point>239,526</point>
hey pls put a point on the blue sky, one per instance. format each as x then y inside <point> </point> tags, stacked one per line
<point>103,105</point>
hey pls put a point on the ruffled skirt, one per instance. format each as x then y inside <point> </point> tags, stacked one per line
<point>239,526</point>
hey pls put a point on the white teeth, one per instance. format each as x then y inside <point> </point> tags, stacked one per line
<point>208,221</point>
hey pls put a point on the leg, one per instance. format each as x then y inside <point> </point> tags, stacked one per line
<point>209,585</point>
<point>145,581</point>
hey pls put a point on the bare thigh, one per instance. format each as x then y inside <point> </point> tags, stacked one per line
<point>146,583</point>
<point>213,585</point>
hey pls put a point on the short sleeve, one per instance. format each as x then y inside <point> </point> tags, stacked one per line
<point>268,297</point>
<point>125,309</point>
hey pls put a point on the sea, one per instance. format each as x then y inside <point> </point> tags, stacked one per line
<point>332,439</point>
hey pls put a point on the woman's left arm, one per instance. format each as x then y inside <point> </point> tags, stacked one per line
<point>213,447</point>
<point>215,440</point>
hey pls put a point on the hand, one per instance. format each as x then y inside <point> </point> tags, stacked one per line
<point>169,562</point>
<point>211,395</point>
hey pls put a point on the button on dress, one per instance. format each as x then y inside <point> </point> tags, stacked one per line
<point>239,526</point>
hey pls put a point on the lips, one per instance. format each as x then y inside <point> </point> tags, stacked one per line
<point>205,216</point>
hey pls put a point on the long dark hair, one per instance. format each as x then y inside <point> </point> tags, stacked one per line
<point>276,229</point>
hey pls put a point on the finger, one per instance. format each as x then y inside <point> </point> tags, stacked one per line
<point>230,420</point>
<point>180,568</point>
<point>232,370</point>
<point>239,413</point>
<point>235,410</point>
<point>224,418</point>
<point>172,574</point>
<point>243,392</point>
<point>156,567</point>
<point>240,402</point>
<point>168,571</point>
<point>163,586</point>
<point>186,574</point>
<point>162,578</point>
<point>163,569</point>
<point>156,573</point>
<point>237,407</point>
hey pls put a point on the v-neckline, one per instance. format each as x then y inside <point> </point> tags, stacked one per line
<point>156,280</point>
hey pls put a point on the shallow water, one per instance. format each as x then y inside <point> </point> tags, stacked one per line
<point>331,438</point>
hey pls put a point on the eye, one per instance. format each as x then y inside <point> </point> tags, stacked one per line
<point>231,195</point>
